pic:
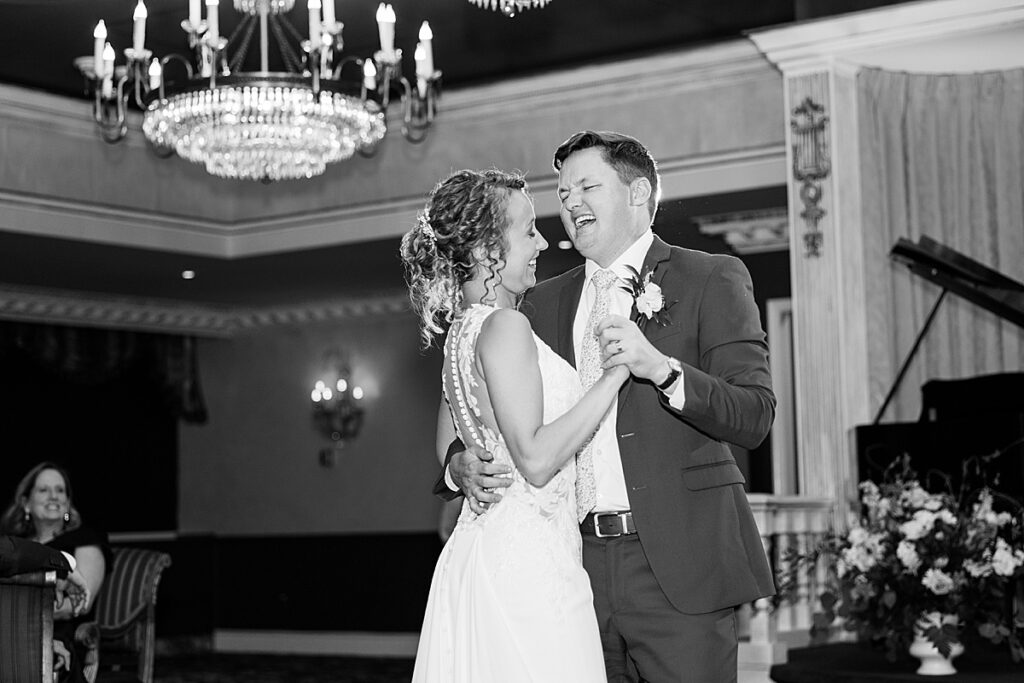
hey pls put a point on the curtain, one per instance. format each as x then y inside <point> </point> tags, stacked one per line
<point>942,156</point>
<point>95,356</point>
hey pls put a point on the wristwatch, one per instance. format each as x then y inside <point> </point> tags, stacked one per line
<point>675,368</point>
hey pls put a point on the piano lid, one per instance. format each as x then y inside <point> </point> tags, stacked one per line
<point>962,275</point>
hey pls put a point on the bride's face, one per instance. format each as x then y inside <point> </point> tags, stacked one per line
<point>524,243</point>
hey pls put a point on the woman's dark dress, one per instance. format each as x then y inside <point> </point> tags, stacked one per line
<point>64,630</point>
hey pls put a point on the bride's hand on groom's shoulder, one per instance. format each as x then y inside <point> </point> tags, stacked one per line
<point>479,477</point>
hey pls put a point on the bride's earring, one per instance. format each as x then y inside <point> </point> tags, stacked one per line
<point>67,517</point>
<point>28,517</point>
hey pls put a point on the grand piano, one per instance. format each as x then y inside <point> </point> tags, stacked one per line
<point>960,418</point>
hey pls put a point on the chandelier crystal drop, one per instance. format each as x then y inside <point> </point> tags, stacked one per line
<point>509,7</point>
<point>262,125</point>
<point>265,132</point>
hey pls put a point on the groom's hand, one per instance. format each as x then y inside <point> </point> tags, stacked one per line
<point>478,477</point>
<point>622,342</point>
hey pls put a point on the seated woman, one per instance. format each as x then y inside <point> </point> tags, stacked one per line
<point>42,511</point>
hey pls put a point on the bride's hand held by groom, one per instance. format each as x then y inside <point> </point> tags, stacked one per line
<point>623,343</point>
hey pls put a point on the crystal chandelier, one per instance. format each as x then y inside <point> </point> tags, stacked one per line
<point>262,125</point>
<point>509,7</point>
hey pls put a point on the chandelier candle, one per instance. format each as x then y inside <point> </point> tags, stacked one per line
<point>99,35</point>
<point>386,28</point>
<point>329,17</point>
<point>139,27</point>
<point>155,74</point>
<point>427,41</point>
<point>314,24</point>
<point>195,12</point>
<point>212,22</point>
<point>108,70</point>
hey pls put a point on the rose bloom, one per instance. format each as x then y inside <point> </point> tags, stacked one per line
<point>650,300</point>
<point>920,526</point>
<point>937,581</point>
<point>908,556</point>
<point>1005,560</point>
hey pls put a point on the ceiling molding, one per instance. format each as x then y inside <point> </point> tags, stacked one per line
<point>749,232</point>
<point>862,37</point>
<point>65,307</point>
<point>711,66</point>
<point>682,178</point>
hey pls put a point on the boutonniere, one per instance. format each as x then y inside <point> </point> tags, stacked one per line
<point>647,297</point>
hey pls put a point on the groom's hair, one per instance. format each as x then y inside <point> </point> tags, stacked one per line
<point>625,154</point>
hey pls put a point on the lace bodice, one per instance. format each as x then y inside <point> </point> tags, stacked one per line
<point>465,394</point>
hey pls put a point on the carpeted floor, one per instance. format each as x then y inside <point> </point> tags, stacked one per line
<point>223,668</point>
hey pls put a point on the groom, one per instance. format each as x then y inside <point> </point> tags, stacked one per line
<point>669,541</point>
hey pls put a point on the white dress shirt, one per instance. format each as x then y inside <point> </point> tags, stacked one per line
<point>611,484</point>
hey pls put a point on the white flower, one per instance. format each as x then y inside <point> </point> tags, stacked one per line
<point>865,549</point>
<point>650,299</point>
<point>947,517</point>
<point>978,569</point>
<point>937,581</point>
<point>915,496</point>
<point>920,526</point>
<point>1005,560</point>
<point>907,553</point>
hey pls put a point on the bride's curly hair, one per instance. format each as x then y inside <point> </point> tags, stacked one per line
<point>466,212</point>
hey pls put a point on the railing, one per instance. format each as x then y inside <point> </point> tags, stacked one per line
<point>766,632</point>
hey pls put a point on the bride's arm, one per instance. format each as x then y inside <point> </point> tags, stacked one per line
<point>508,359</point>
<point>445,432</point>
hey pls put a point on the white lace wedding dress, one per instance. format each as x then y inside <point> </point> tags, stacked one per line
<point>510,600</point>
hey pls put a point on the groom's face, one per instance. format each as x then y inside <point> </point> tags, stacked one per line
<point>595,206</point>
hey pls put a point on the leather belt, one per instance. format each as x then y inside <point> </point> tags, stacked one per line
<point>608,524</point>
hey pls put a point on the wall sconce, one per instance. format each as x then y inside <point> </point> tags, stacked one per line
<point>337,409</point>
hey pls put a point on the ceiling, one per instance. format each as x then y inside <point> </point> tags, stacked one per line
<point>39,40</point>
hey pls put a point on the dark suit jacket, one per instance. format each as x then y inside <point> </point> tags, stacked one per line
<point>685,490</point>
<point>21,556</point>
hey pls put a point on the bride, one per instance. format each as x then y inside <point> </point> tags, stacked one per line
<point>509,600</point>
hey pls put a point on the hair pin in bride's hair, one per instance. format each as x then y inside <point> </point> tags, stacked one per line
<point>425,228</point>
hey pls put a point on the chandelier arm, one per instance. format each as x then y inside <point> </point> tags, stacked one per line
<point>288,54</point>
<point>114,127</point>
<point>243,33</point>
<point>336,74</point>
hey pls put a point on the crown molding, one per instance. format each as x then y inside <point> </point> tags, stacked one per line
<point>861,36</point>
<point>749,232</point>
<point>86,309</point>
<point>50,217</point>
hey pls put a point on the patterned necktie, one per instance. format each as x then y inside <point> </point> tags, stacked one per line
<point>590,371</point>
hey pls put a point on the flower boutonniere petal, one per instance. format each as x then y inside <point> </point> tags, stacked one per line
<point>648,299</point>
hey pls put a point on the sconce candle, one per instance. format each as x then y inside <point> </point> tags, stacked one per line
<point>427,41</point>
<point>108,70</point>
<point>337,409</point>
<point>329,17</point>
<point>369,75</point>
<point>194,13</point>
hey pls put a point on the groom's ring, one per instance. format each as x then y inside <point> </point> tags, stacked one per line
<point>618,347</point>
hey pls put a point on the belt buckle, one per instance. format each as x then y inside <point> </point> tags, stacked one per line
<point>597,524</point>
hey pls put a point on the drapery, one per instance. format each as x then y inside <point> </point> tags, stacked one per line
<point>942,156</point>
<point>93,355</point>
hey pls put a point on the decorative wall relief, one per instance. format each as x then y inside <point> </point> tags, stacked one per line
<point>811,165</point>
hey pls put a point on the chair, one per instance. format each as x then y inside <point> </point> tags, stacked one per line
<point>126,611</point>
<point>26,627</point>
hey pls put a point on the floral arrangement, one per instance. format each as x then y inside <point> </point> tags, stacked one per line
<point>647,297</point>
<point>912,552</point>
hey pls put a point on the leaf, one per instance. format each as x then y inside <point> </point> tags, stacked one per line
<point>828,600</point>
<point>889,599</point>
